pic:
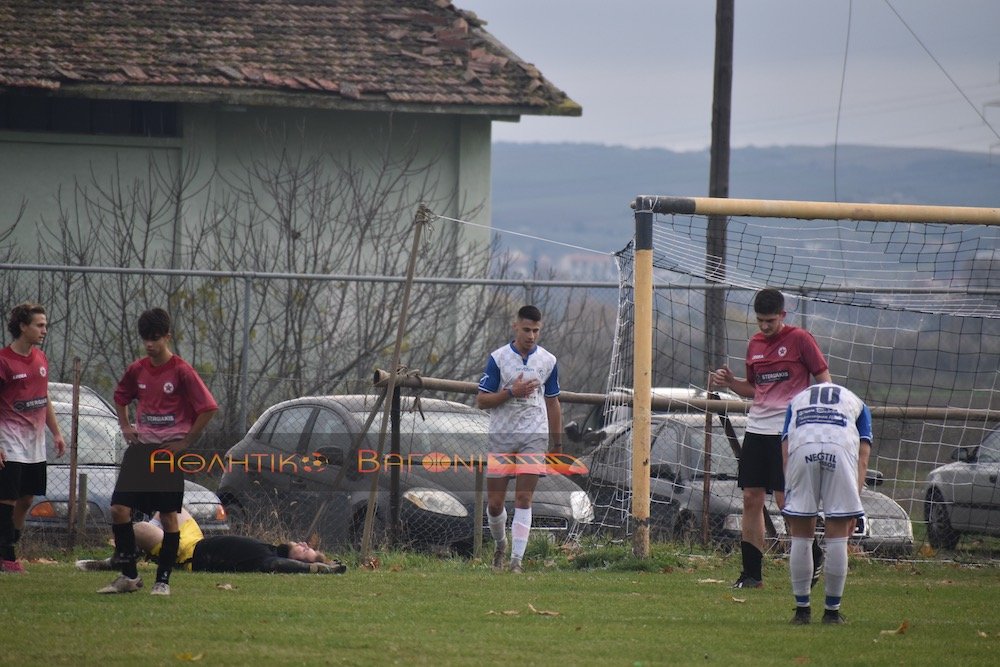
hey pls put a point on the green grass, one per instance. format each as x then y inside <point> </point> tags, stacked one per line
<point>598,606</point>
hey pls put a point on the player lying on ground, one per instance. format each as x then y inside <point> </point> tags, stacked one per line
<point>225,553</point>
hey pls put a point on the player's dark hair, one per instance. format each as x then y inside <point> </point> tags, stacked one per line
<point>20,314</point>
<point>153,324</point>
<point>769,301</point>
<point>529,313</point>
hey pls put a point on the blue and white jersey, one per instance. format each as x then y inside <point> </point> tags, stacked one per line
<point>827,414</point>
<point>515,418</point>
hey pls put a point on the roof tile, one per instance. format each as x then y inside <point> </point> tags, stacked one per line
<point>402,51</point>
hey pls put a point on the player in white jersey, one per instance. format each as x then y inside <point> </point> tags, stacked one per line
<point>520,388</point>
<point>825,447</point>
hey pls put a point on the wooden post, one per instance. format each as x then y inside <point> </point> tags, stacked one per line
<point>642,373</point>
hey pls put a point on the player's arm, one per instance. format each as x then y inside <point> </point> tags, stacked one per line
<point>128,430</point>
<point>57,438</point>
<point>724,378</point>
<point>553,410</point>
<point>824,376</point>
<point>192,436</point>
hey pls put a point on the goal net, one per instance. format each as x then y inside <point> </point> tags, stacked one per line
<point>907,313</point>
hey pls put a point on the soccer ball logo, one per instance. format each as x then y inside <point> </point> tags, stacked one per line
<point>436,462</point>
<point>314,462</point>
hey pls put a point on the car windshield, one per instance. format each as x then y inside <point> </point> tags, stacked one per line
<point>99,439</point>
<point>989,450</point>
<point>680,445</point>
<point>61,392</point>
<point>449,433</point>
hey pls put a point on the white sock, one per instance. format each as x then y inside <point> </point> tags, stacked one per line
<point>519,531</point>
<point>836,571</point>
<point>800,568</point>
<point>498,526</point>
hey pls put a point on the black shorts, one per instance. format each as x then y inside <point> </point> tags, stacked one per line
<point>148,483</point>
<point>760,463</point>
<point>22,479</point>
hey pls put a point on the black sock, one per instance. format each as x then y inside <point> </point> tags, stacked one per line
<point>17,535</point>
<point>125,548</point>
<point>168,554</point>
<point>7,532</point>
<point>752,561</point>
<point>817,553</point>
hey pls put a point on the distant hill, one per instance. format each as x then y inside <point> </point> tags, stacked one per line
<point>579,194</point>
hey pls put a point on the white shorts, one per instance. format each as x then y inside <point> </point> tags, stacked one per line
<point>822,475</point>
<point>526,458</point>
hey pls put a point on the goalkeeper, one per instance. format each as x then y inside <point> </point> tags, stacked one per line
<point>225,553</point>
<point>780,359</point>
<point>825,447</point>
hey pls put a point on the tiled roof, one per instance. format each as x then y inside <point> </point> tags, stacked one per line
<point>392,54</point>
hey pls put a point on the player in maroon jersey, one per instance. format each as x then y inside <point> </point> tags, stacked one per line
<point>25,411</point>
<point>173,407</point>
<point>780,360</point>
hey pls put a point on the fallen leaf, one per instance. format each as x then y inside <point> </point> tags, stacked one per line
<point>396,568</point>
<point>372,563</point>
<point>190,657</point>
<point>740,600</point>
<point>710,581</point>
<point>927,551</point>
<point>982,634</point>
<point>43,561</point>
<point>802,660</point>
<point>901,630</point>
<point>509,612</point>
<point>542,612</point>
<point>225,587</point>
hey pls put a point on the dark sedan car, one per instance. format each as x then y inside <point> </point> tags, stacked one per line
<point>99,452</point>
<point>678,486</point>
<point>308,464</point>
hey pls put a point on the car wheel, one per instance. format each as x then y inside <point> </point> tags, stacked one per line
<point>940,534</point>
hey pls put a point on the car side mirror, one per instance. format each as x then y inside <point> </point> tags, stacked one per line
<point>331,456</point>
<point>874,478</point>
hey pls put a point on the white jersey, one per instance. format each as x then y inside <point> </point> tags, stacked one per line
<point>827,413</point>
<point>520,421</point>
<point>824,426</point>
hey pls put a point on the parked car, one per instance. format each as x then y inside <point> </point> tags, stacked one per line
<point>308,464</point>
<point>99,452</point>
<point>678,486</point>
<point>62,392</point>
<point>964,497</point>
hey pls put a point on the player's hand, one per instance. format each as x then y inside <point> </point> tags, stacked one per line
<point>3,457</point>
<point>130,434</point>
<point>859,525</point>
<point>723,377</point>
<point>60,446</point>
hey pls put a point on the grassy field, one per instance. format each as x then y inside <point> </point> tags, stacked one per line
<point>599,607</point>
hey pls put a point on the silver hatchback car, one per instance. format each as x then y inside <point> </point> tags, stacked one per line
<point>964,497</point>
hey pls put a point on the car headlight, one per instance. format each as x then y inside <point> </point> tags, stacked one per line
<point>438,502</point>
<point>207,512</point>
<point>884,528</point>
<point>583,509</point>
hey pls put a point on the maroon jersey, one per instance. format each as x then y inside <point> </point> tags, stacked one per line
<point>779,368</point>
<point>24,400</point>
<point>170,398</point>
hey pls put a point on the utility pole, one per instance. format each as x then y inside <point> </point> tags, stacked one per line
<point>718,185</point>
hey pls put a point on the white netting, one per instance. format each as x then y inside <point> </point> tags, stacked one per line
<point>904,313</point>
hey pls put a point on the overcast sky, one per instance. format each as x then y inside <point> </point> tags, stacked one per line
<point>642,70</point>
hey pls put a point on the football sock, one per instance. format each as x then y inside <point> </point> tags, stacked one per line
<point>836,571</point>
<point>17,535</point>
<point>800,568</point>
<point>125,548</point>
<point>498,526</point>
<point>752,560</point>
<point>519,530</point>
<point>7,532</point>
<point>168,554</point>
